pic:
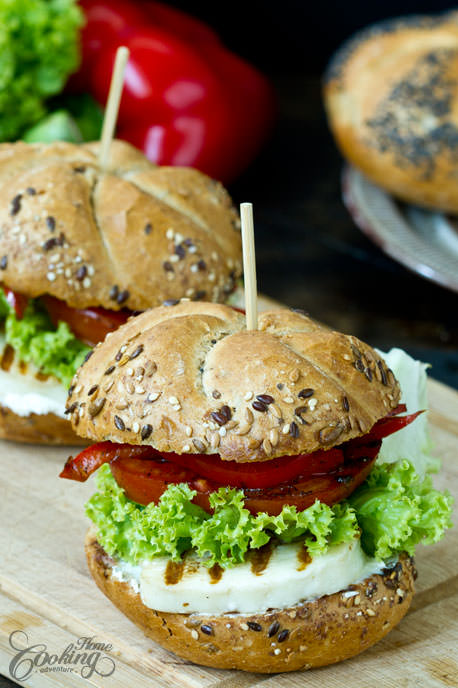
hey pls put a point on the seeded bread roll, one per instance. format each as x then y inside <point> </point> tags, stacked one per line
<point>133,236</point>
<point>189,378</point>
<point>312,634</point>
<point>391,93</point>
<point>37,428</point>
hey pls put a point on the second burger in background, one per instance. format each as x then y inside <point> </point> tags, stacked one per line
<point>391,95</point>
<point>81,250</point>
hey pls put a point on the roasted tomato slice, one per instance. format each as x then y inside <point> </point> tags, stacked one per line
<point>91,325</point>
<point>302,493</point>
<point>144,481</point>
<point>16,301</point>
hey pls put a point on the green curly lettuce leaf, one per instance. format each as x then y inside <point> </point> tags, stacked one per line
<point>394,509</point>
<point>54,351</point>
<point>175,525</point>
<point>39,49</point>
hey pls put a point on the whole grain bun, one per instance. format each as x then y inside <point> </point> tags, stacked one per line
<point>37,428</point>
<point>312,634</point>
<point>391,94</point>
<point>132,236</point>
<point>189,378</point>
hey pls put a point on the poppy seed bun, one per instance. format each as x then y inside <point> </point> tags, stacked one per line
<point>190,378</point>
<point>37,428</point>
<point>391,94</point>
<point>312,634</point>
<point>131,237</point>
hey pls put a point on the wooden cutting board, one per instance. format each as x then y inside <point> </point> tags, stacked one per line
<point>47,595</point>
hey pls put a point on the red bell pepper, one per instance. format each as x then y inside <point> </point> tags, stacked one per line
<point>187,99</point>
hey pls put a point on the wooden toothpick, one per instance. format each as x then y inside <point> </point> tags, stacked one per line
<point>249,266</point>
<point>112,107</point>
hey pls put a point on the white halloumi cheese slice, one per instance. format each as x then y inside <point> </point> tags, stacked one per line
<point>288,577</point>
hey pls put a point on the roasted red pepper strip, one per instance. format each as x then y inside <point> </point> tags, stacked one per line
<point>248,475</point>
<point>91,458</point>
<point>16,301</point>
<point>258,474</point>
<point>230,473</point>
<point>387,426</point>
<point>187,99</point>
<point>400,408</point>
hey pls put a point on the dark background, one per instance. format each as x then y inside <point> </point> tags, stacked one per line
<point>296,36</point>
<point>309,252</point>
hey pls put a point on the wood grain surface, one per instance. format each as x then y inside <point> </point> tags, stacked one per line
<point>46,591</point>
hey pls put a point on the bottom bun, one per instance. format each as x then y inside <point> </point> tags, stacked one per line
<point>37,428</point>
<point>312,634</point>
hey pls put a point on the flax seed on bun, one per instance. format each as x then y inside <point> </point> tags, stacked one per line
<point>391,93</point>
<point>311,634</point>
<point>189,378</point>
<point>130,237</point>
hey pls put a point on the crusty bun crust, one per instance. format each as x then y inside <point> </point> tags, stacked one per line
<point>312,634</point>
<point>131,237</point>
<point>391,94</point>
<point>37,429</point>
<point>190,378</point>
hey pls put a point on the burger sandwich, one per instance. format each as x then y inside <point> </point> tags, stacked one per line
<point>81,250</point>
<point>259,493</point>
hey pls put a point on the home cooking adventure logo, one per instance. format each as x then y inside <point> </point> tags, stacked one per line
<point>85,657</point>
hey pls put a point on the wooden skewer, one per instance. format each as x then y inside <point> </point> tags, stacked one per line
<point>249,266</point>
<point>112,107</point>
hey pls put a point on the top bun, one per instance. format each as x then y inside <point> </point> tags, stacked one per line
<point>391,94</point>
<point>190,378</point>
<point>132,236</point>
